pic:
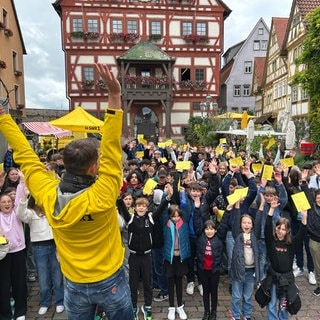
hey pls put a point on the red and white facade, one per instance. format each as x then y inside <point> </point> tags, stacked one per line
<point>188,33</point>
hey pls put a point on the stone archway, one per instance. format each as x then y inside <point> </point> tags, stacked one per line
<point>146,122</point>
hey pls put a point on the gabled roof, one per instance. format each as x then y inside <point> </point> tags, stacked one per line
<point>145,51</point>
<point>280,27</point>
<point>306,6</point>
<point>259,63</point>
<point>232,52</point>
<point>225,71</point>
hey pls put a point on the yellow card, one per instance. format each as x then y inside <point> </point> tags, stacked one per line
<point>233,198</point>
<point>183,165</point>
<point>229,154</point>
<point>271,142</point>
<point>242,191</point>
<point>267,172</point>
<point>164,160</point>
<point>256,167</point>
<point>219,150</point>
<point>223,140</point>
<point>1,167</point>
<point>287,162</point>
<point>168,143</point>
<point>139,154</point>
<point>236,161</point>
<point>301,202</point>
<point>162,145</point>
<point>3,240</point>
<point>149,186</point>
<point>140,138</point>
<point>220,215</point>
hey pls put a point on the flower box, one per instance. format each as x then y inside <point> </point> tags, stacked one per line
<point>194,38</point>
<point>17,73</point>
<point>155,37</point>
<point>101,85</point>
<point>8,32</point>
<point>87,84</point>
<point>91,35</point>
<point>193,85</point>
<point>2,25</point>
<point>77,34</point>
<point>2,64</point>
<point>124,37</point>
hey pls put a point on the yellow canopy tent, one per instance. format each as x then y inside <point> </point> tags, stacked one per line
<point>79,120</point>
<point>233,115</point>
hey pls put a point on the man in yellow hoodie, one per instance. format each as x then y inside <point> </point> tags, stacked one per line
<point>81,210</point>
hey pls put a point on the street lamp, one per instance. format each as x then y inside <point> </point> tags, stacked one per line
<point>208,107</point>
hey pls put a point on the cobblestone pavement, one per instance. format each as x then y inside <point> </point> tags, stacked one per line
<point>310,309</point>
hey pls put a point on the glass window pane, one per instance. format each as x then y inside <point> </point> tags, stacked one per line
<point>186,28</point>
<point>77,25</point>
<point>117,26</point>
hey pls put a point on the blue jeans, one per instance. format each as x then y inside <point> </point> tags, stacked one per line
<point>243,291</point>
<point>229,247</point>
<point>274,311</point>
<point>262,258</point>
<point>160,279</point>
<point>112,295</point>
<point>49,274</point>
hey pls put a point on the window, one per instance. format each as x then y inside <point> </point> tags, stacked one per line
<point>274,66</point>
<point>294,93</point>
<point>201,29</point>
<point>132,26</point>
<point>256,45</point>
<point>247,67</point>
<point>275,91</point>
<point>88,73</point>
<point>246,90</point>
<point>92,25</point>
<point>5,17</point>
<point>156,27</point>
<point>145,73</point>
<point>184,74</point>
<point>186,28</point>
<point>295,54</point>
<point>77,25</point>
<point>117,26</point>
<point>304,94</point>
<point>236,90</point>
<point>16,95</point>
<point>199,75</point>
<point>264,44</point>
<point>260,31</point>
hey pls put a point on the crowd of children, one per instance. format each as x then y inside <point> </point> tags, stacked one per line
<point>205,210</point>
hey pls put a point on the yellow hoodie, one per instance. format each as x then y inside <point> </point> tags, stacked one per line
<point>86,230</point>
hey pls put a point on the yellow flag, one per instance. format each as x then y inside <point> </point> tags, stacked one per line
<point>244,120</point>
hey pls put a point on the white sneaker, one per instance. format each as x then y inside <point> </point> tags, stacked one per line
<point>294,266</point>
<point>42,310</point>
<point>59,309</point>
<point>200,288</point>
<point>181,313</point>
<point>190,288</point>
<point>312,278</point>
<point>171,313</point>
<point>298,272</point>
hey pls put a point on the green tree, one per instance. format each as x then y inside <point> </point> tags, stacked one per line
<point>308,75</point>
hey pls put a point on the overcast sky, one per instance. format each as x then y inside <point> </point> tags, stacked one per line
<point>44,63</point>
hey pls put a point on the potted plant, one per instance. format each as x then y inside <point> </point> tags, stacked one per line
<point>101,85</point>
<point>195,38</point>
<point>87,84</point>
<point>131,37</point>
<point>116,36</point>
<point>2,25</point>
<point>77,34</point>
<point>155,37</point>
<point>2,64</point>
<point>17,73</point>
<point>8,32</point>
<point>91,35</point>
